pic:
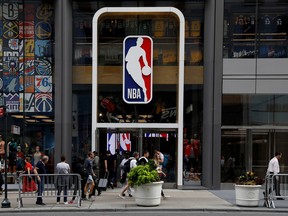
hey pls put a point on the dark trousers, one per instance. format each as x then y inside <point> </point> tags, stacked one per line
<point>40,190</point>
<point>59,190</point>
<point>1,180</point>
<point>276,185</point>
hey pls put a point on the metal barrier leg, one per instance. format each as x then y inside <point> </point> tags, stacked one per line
<point>20,203</point>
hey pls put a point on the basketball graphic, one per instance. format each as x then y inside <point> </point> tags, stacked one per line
<point>29,66</point>
<point>43,83</point>
<point>43,30</point>
<point>10,11</point>
<point>43,66</point>
<point>43,102</point>
<point>13,44</point>
<point>146,70</point>
<point>10,29</point>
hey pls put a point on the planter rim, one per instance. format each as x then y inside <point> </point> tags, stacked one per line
<point>237,185</point>
<point>158,182</point>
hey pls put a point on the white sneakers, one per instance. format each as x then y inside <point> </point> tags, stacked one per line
<point>65,203</point>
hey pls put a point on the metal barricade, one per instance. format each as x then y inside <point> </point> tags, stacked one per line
<point>274,182</point>
<point>52,183</point>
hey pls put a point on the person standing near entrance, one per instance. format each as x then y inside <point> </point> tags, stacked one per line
<point>274,169</point>
<point>37,155</point>
<point>62,180</point>
<point>40,168</point>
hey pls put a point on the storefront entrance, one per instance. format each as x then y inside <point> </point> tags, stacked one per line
<point>131,109</point>
<point>135,139</point>
<point>251,149</point>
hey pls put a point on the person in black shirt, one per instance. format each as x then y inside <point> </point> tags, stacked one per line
<point>110,167</point>
<point>40,168</point>
<point>144,159</point>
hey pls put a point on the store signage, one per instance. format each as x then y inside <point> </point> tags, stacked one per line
<point>137,69</point>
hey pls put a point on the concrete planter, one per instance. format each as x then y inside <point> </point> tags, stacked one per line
<point>148,194</point>
<point>247,195</point>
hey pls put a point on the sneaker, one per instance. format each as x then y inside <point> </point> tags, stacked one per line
<point>280,198</point>
<point>91,198</point>
<point>122,196</point>
<point>57,203</point>
<point>130,195</point>
<point>111,185</point>
<point>65,203</point>
<point>72,202</point>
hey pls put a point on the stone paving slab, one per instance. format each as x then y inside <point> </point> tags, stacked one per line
<point>178,200</point>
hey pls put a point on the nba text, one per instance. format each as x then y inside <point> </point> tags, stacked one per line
<point>134,93</point>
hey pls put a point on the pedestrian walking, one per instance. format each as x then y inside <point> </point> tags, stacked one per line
<point>274,169</point>
<point>28,183</point>
<point>132,162</point>
<point>90,184</point>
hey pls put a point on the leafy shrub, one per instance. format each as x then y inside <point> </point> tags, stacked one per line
<point>249,178</point>
<point>142,175</point>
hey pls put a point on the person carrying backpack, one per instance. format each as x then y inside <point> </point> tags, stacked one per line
<point>126,165</point>
<point>144,159</point>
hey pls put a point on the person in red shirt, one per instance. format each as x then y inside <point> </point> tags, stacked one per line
<point>29,184</point>
<point>108,104</point>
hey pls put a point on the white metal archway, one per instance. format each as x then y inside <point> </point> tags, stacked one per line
<point>179,125</point>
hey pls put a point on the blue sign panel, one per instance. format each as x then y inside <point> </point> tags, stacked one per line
<point>137,69</point>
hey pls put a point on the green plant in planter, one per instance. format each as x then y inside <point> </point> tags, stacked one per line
<point>143,174</point>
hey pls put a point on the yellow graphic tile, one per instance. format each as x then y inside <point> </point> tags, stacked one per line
<point>159,28</point>
<point>195,28</point>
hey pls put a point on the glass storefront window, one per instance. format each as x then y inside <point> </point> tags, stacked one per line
<point>245,149</point>
<point>163,107</point>
<point>255,29</point>
<point>27,86</point>
<point>254,110</point>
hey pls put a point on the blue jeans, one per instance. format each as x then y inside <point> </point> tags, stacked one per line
<point>60,188</point>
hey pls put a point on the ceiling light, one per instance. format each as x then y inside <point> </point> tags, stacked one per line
<point>40,116</point>
<point>32,120</point>
<point>47,120</point>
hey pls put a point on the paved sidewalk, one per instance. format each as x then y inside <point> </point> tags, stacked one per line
<point>177,200</point>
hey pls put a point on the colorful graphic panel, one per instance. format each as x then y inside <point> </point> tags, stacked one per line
<point>26,56</point>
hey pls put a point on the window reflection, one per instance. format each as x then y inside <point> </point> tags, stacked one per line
<point>255,29</point>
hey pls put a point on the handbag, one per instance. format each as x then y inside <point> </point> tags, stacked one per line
<point>102,184</point>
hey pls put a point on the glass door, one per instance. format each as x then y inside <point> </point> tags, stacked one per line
<point>119,140</point>
<point>245,149</point>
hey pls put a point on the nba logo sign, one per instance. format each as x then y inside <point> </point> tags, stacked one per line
<point>137,69</point>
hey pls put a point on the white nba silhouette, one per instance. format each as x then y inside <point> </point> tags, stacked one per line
<point>124,141</point>
<point>133,64</point>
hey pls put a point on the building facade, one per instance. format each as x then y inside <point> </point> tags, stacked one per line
<point>214,103</point>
